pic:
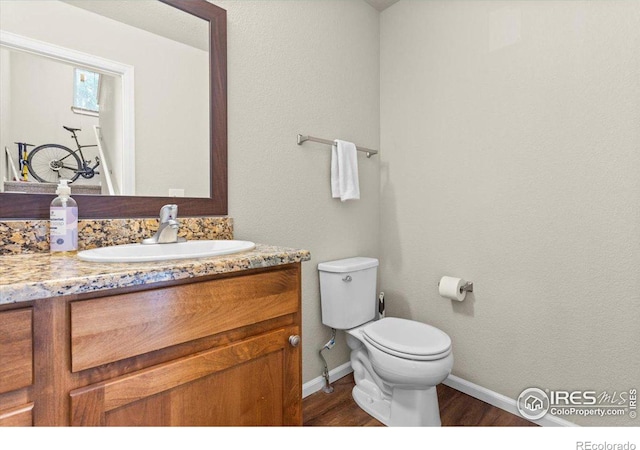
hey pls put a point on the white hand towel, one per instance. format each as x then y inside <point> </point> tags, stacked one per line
<point>344,171</point>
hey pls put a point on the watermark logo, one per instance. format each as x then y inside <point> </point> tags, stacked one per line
<point>588,445</point>
<point>534,403</point>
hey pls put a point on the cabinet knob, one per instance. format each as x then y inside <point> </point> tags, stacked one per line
<point>294,340</point>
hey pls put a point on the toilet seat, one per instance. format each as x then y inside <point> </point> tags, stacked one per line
<point>408,339</point>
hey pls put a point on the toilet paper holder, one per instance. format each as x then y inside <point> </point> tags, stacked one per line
<point>467,287</point>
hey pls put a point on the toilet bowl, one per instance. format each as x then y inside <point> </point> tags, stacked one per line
<point>404,393</point>
<point>396,362</point>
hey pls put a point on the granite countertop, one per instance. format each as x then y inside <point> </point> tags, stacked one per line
<point>37,276</point>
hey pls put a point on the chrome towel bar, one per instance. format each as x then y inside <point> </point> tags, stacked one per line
<point>302,139</point>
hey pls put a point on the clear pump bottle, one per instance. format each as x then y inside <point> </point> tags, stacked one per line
<point>63,225</point>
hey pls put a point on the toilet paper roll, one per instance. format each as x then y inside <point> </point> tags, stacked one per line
<point>451,287</point>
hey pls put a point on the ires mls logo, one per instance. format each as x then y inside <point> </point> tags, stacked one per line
<point>534,403</point>
<point>561,398</point>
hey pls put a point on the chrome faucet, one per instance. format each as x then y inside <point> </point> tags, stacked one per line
<point>168,227</point>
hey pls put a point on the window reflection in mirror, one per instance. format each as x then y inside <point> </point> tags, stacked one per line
<point>86,89</point>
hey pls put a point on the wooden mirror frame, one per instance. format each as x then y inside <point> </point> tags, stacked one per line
<point>36,206</point>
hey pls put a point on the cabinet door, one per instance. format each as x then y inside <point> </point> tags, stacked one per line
<point>252,382</point>
<point>21,416</point>
<point>16,367</point>
<point>16,349</point>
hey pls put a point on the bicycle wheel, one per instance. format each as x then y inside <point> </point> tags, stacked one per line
<point>50,163</point>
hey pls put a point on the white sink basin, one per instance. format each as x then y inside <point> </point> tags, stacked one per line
<point>162,252</point>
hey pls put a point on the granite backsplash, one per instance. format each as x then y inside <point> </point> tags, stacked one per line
<point>19,237</point>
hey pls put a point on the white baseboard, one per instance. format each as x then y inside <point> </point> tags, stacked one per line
<point>481,393</point>
<point>501,401</point>
<point>315,385</point>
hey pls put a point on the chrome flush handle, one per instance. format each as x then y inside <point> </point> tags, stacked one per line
<point>347,278</point>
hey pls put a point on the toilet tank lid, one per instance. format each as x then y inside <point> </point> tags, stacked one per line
<point>348,264</point>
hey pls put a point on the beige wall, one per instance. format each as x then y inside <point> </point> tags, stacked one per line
<point>510,136</point>
<point>307,67</point>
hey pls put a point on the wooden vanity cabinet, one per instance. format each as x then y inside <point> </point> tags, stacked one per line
<point>212,352</point>
<point>243,383</point>
<point>16,367</point>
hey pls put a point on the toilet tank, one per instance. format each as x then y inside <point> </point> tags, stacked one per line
<point>348,292</point>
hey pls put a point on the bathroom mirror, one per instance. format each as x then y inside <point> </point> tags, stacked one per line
<point>212,198</point>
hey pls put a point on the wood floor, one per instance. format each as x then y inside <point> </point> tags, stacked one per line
<point>456,409</point>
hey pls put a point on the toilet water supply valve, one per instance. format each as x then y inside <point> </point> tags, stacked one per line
<point>328,389</point>
<point>381,305</point>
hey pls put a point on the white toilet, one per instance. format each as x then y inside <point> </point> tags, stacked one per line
<point>396,363</point>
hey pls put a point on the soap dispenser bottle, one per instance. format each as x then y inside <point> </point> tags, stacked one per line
<point>63,225</point>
